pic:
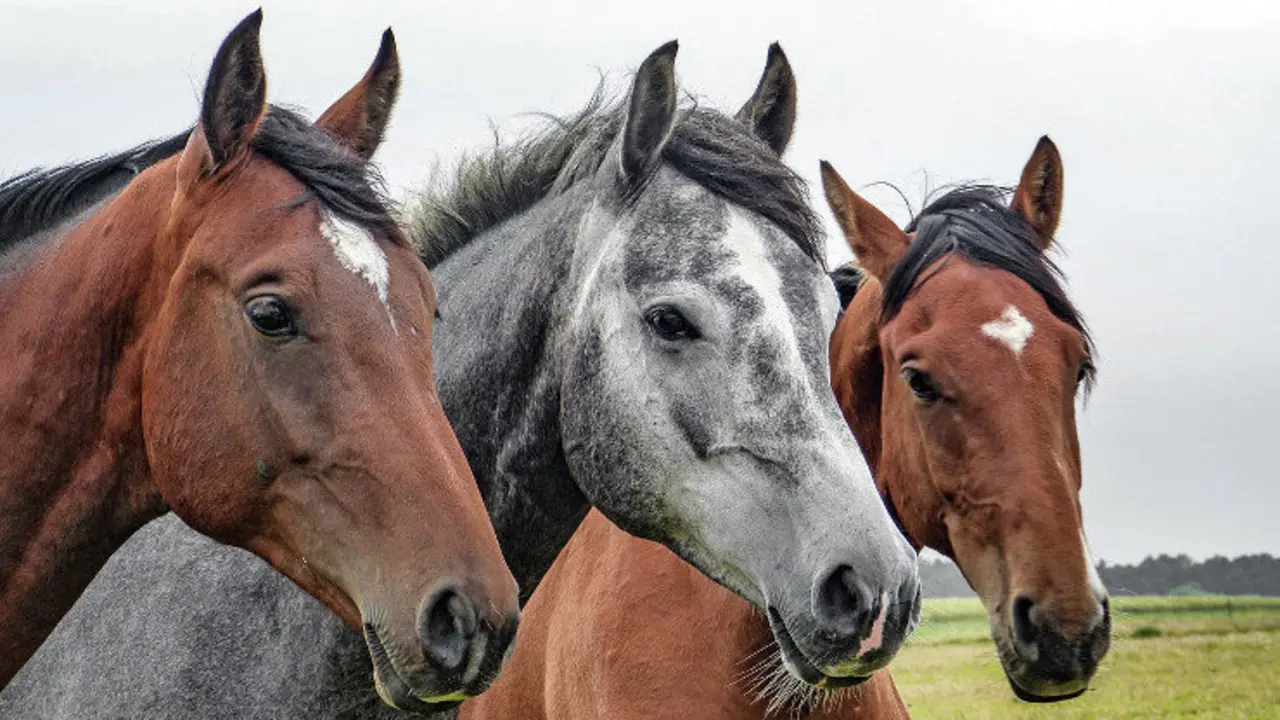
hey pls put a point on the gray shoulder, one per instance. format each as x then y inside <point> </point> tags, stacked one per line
<point>177,625</point>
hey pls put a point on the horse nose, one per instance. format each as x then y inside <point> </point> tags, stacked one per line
<point>844,606</point>
<point>465,646</point>
<point>1052,660</point>
<point>447,626</point>
<point>1026,631</point>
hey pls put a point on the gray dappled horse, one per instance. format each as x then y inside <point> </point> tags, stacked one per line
<point>633,315</point>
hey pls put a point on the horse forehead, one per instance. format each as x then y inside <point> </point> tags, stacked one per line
<point>358,252</point>
<point>1011,329</point>
<point>785,337</point>
<point>993,303</point>
<point>285,216</point>
<point>766,260</point>
<point>684,231</point>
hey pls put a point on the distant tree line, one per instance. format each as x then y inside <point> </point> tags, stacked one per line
<point>1160,575</point>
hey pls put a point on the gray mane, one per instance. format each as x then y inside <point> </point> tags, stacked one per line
<point>710,148</point>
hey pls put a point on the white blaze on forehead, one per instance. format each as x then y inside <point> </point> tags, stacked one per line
<point>756,269</point>
<point>358,252</point>
<point>1011,328</point>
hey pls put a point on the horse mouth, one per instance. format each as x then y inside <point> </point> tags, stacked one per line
<point>800,666</point>
<point>394,689</point>
<point>1028,696</point>
<point>1011,665</point>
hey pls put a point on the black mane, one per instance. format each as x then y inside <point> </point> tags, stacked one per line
<point>847,279</point>
<point>344,183</point>
<point>710,148</point>
<point>41,199</point>
<point>976,223</point>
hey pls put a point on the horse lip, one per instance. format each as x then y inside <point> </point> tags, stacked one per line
<point>393,688</point>
<point>1011,663</point>
<point>800,666</point>
<point>1028,696</point>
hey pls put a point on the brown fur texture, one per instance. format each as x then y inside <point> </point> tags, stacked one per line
<point>989,474</point>
<point>135,382</point>
<point>622,628</point>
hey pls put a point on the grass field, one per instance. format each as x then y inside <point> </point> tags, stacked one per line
<point>1202,657</point>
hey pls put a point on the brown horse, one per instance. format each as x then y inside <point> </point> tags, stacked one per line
<point>957,365</point>
<point>242,335</point>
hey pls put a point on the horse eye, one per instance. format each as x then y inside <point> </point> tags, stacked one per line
<point>270,316</point>
<point>921,385</point>
<point>669,324</point>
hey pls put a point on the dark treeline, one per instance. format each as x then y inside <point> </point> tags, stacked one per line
<point>1161,575</point>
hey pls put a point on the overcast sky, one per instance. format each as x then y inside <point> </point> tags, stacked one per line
<point>1167,114</point>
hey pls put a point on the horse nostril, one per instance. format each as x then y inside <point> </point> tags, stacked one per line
<point>446,626</point>
<point>842,606</point>
<point>1024,629</point>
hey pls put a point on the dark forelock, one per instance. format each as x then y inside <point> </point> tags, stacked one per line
<point>976,223</point>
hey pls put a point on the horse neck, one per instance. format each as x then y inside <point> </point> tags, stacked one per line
<point>74,480</point>
<point>500,300</point>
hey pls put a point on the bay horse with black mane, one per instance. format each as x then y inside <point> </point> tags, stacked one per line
<point>241,334</point>
<point>957,364</point>
<point>634,316</point>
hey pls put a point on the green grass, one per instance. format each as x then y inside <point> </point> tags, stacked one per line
<point>1171,657</point>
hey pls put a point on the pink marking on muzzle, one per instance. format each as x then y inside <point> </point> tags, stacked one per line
<point>876,636</point>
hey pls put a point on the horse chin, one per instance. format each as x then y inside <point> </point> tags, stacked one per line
<point>1027,696</point>
<point>799,665</point>
<point>1048,693</point>
<point>395,690</point>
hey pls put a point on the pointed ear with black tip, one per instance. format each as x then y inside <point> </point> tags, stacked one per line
<point>1039,194</point>
<point>235,95</point>
<point>771,111</point>
<point>359,118</point>
<point>651,113</point>
<point>877,243</point>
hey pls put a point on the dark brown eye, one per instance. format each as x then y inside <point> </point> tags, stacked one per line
<point>669,324</point>
<point>921,385</point>
<point>270,316</point>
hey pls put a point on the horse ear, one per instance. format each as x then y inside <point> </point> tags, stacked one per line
<point>359,118</point>
<point>876,241</point>
<point>771,111</point>
<point>651,113</point>
<point>1039,194</point>
<point>235,95</point>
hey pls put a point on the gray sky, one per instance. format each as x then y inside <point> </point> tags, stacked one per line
<point>1167,115</point>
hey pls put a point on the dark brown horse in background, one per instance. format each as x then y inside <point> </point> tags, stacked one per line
<point>957,364</point>
<point>242,335</point>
